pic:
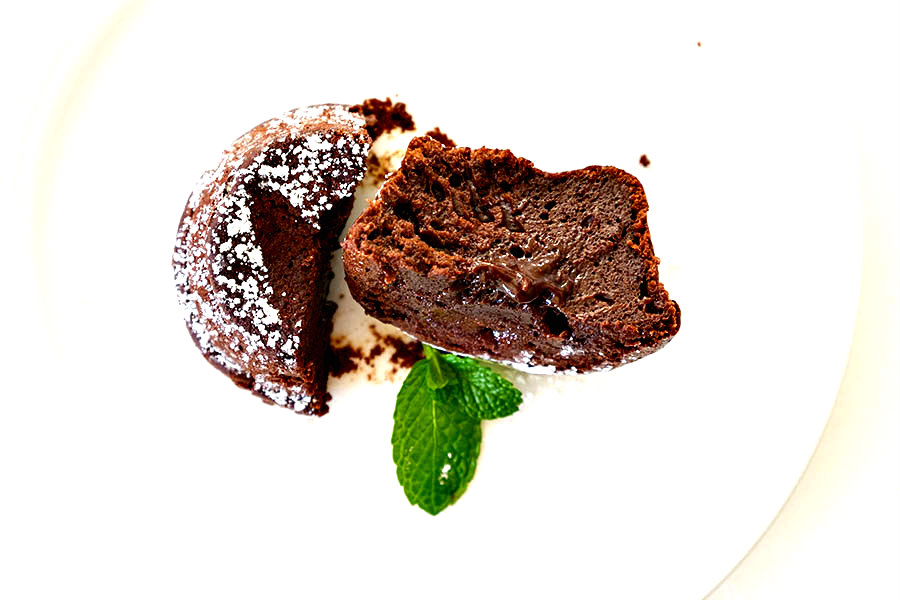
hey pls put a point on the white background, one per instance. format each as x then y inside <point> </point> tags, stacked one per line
<point>838,535</point>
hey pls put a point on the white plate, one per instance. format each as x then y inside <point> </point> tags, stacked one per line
<point>651,481</point>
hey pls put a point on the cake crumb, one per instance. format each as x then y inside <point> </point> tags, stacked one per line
<point>645,162</point>
<point>440,136</point>
<point>343,360</point>
<point>403,354</point>
<point>698,44</point>
<point>384,115</point>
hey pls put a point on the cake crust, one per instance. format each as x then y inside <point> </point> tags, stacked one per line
<point>253,248</point>
<point>480,253</point>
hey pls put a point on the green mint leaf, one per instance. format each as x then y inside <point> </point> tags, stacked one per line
<point>437,375</point>
<point>435,442</point>
<point>481,392</point>
<point>437,425</point>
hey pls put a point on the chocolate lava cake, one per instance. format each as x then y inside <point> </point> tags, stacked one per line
<point>252,253</point>
<point>480,253</point>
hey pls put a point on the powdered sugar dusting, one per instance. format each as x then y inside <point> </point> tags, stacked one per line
<point>293,397</point>
<point>221,276</point>
<point>300,173</point>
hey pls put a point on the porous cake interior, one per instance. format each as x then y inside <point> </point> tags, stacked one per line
<point>540,268</point>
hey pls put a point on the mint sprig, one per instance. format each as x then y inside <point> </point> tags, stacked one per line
<point>480,391</point>
<point>437,425</point>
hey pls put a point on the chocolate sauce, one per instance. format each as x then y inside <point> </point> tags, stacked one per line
<point>528,280</point>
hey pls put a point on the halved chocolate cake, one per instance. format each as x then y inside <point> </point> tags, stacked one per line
<point>480,253</point>
<point>253,250</point>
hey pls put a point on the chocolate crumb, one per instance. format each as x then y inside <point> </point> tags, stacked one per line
<point>440,136</point>
<point>384,115</point>
<point>406,354</point>
<point>645,162</point>
<point>403,354</point>
<point>343,360</point>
